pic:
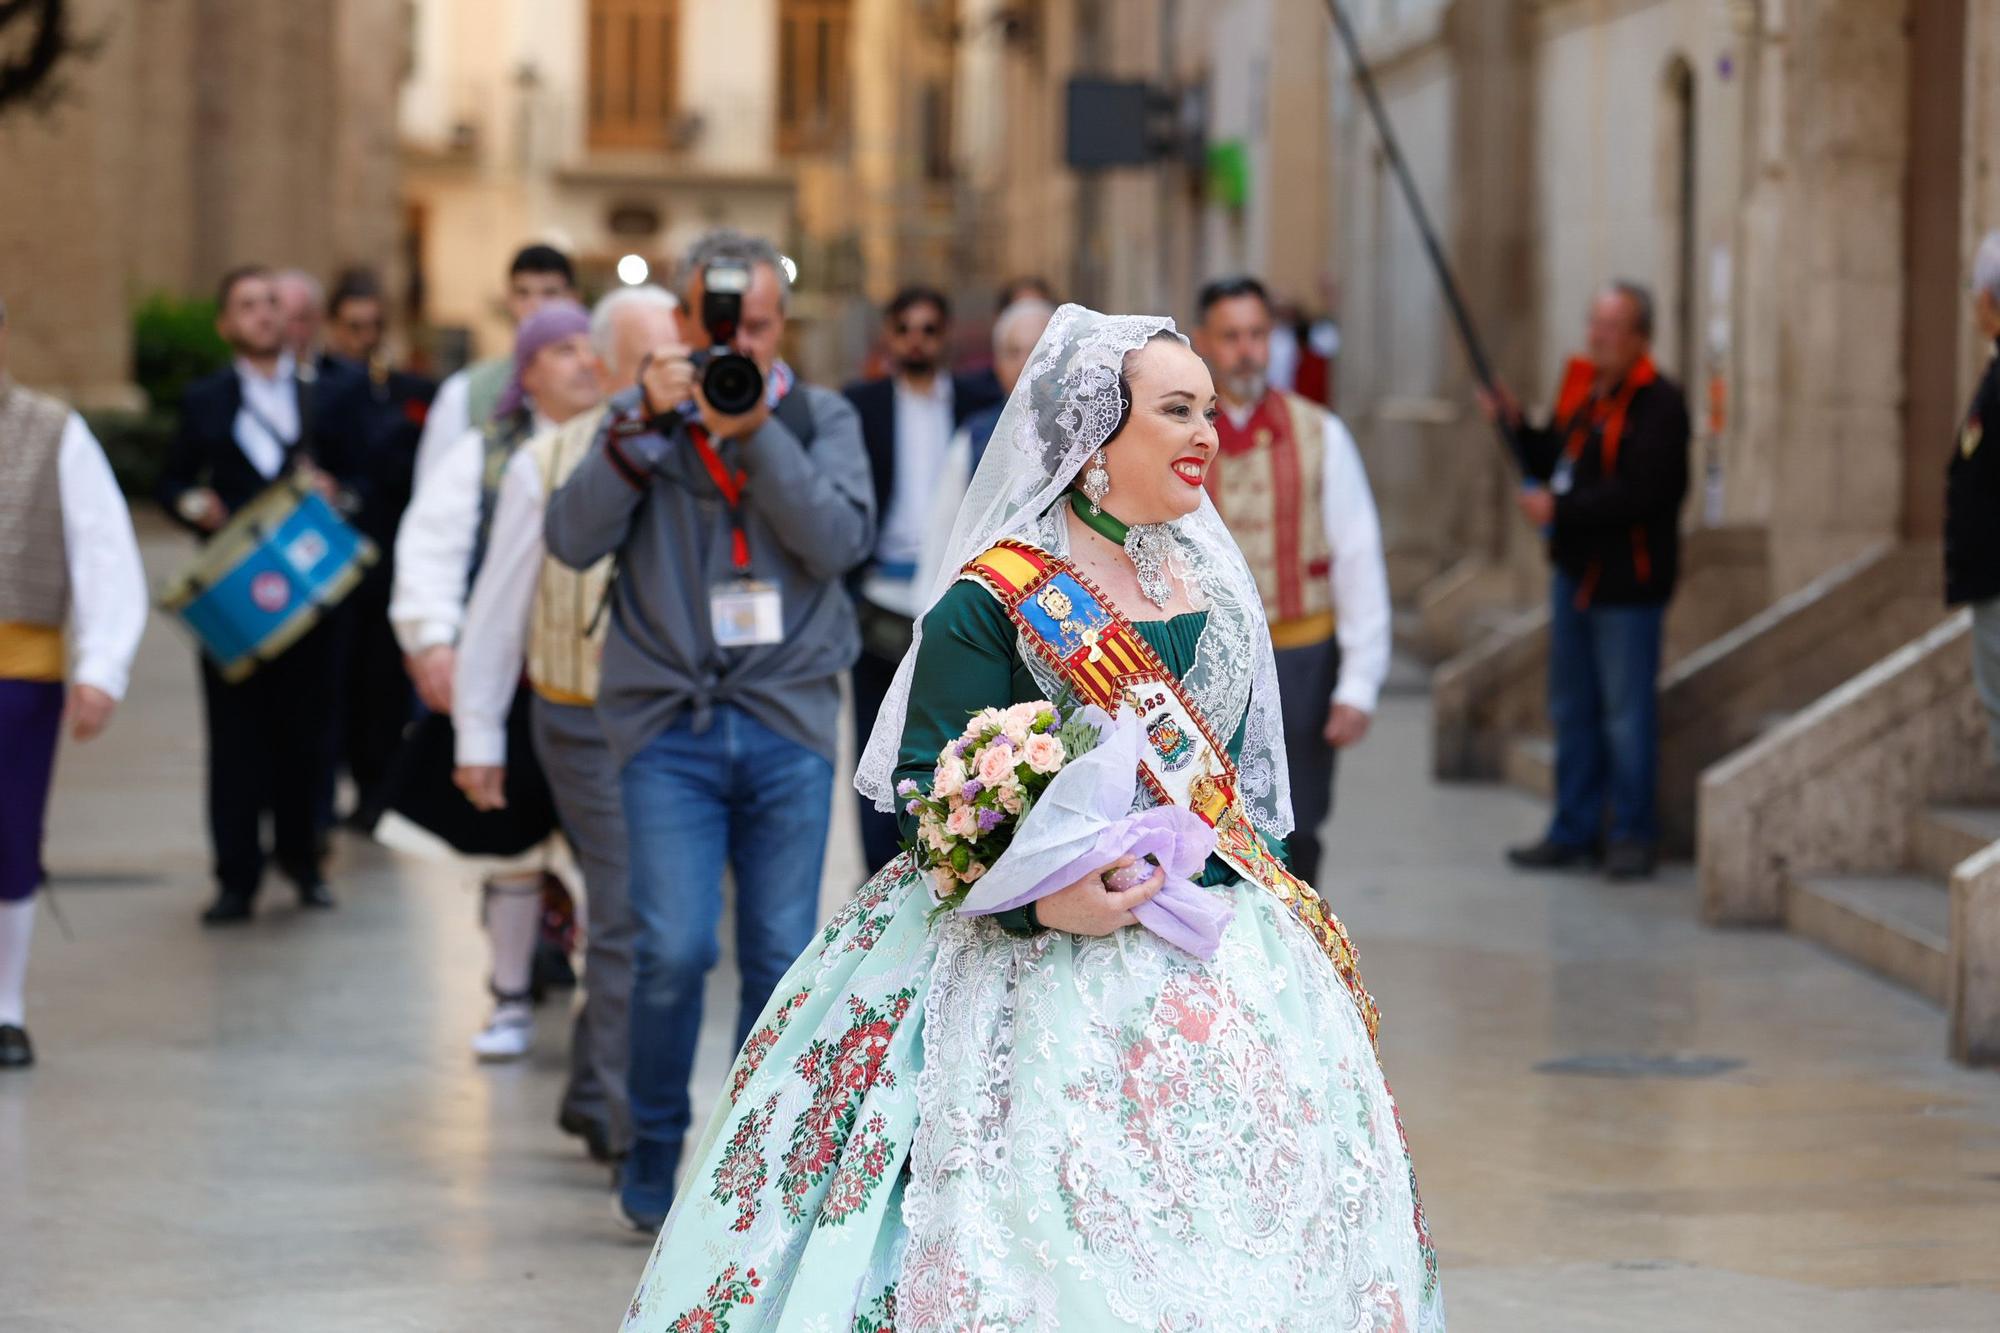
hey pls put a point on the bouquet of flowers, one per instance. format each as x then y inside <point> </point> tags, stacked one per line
<point>985,783</point>
<point>1077,771</point>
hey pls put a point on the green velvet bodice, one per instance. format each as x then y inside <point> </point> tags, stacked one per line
<point>970,660</point>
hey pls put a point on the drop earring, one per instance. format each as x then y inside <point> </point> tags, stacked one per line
<point>1097,482</point>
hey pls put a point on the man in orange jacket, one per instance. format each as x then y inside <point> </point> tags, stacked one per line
<point>1613,468</point>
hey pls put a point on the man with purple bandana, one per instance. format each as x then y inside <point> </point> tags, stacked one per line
<point>440,544</point>
<point>67,556</point>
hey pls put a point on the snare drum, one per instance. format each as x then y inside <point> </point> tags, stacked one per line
<point>267,576</point>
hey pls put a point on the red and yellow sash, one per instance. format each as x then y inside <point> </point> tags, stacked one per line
<point>1095,649</point>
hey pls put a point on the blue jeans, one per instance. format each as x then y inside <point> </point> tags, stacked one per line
<point>1986,665</point>
<point>738,795</point>
<point>1604,671</point>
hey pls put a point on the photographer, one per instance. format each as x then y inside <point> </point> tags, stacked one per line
<point>735,499</point>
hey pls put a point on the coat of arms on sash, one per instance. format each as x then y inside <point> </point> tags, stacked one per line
<point>1171,742</point>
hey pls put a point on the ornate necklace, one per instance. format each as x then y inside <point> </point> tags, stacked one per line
<point>1146,546</point>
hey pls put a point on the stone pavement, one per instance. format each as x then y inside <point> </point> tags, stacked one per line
<point>281,1128</point>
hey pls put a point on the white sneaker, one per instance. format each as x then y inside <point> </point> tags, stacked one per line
<point>508,1034</point>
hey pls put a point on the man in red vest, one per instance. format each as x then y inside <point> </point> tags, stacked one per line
<point>1613,463</point>
<point>1289,482</point>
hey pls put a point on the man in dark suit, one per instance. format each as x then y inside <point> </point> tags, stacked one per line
<point>376,690</point>
<point>907,421</point>
<point>1972,497</point>
<point>241,429</point>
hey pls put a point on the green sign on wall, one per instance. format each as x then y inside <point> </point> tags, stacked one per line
<point>1229,173</point>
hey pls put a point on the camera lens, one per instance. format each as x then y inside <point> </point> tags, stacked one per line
<point>732,384</point>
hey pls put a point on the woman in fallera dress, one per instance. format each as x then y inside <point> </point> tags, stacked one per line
<point>1054,1118</point>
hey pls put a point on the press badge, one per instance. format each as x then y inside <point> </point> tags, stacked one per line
<point>746,613</point>
<point>1564,477</point>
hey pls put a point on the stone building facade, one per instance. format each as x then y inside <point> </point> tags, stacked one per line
<point>192,136</point>
<point>1800,184</point>
<point>626,127</point>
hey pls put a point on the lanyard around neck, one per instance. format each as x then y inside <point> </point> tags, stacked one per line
<point>730,482</point>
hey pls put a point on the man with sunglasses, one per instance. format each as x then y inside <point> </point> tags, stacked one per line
<point>907,422</point>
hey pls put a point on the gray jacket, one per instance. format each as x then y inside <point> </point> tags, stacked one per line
<point>809,514</point>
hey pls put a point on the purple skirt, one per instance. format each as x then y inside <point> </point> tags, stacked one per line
<point>30,721</point>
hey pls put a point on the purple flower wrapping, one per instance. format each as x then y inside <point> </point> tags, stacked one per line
<point>1182,913</point>
<point>1083,822</point>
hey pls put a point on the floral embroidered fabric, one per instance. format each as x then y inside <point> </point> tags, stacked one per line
<point>937,1128</point>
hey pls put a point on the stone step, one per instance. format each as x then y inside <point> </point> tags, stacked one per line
<point>1529,762</point>
<point>1771,721</point>
<point>1897,925</point>
<point>1943,835</point>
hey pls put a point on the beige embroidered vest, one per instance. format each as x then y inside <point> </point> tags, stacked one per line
<point>34,566</point>
<point>1266,483</point>
<point>566,629</point>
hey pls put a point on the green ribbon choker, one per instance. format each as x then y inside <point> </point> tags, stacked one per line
<point>1099,522</point>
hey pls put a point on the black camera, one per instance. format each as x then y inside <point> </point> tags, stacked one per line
<point>730,381</point>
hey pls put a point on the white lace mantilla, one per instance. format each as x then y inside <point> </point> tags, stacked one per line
<point>1066,405</point>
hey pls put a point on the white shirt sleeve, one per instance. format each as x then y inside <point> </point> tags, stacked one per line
<point>954,478</point>
<point>434,548</point>
<point>107,584</point>
<point>1359,576</point>
<point>495,638</point>
<point>449,416</point>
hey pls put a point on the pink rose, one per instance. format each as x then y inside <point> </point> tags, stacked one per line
<point>949,778</point>
<point>1044,753</point>
<point>974,871</point>
<point>1016,722</point>
<point>996,767</point>
<point>962,822</point>
<point>1023,719</point>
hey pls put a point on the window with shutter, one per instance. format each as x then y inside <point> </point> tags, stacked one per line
<point>813,74</point>
<point>634,72</point>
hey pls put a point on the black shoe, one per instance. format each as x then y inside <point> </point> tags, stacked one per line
<point>16,1051</point>
<point>646,1184</point>
<point>1628,861</point>
<point>1546,855</point>
<point>596,1135</point>
<point>313,894</point>
<point>228,909</point>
